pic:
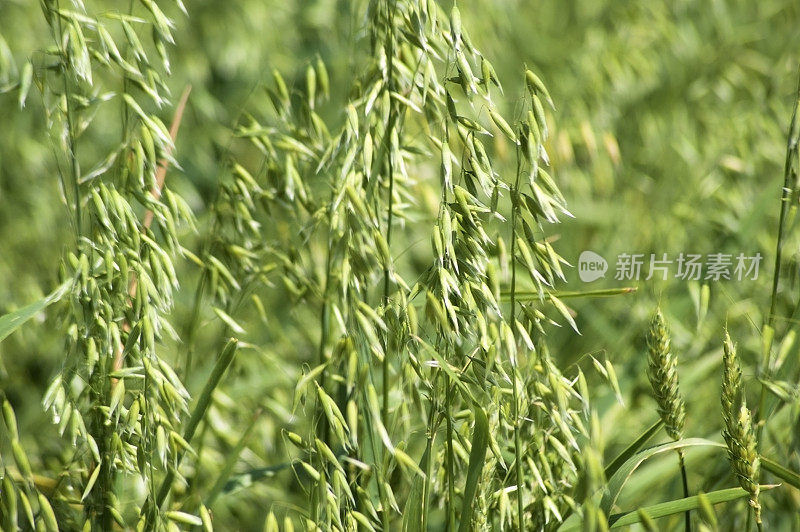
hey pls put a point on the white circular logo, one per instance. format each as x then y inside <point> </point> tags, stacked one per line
<point>591,266</point>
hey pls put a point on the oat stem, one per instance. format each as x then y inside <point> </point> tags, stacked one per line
<point>72,142</point>
<point>685,482</point>
<point>512,316</point>
<point>324,325</point>
<point>433,425</point>
<point>450,458</point>
<point>391,6</point>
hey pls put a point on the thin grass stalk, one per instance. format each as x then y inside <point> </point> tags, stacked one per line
<point>393,119</point>
<point>324,324</point>
<point>163,164</point>
<point>324,321</point>
<point>194,320</point>
<point>787,191</point>
<point>105,481</point>
<point>125,110</point>
<point>375,443</point>
<point>514,385</point>
<point>450,459</point>
<point>190,331</point>
<point>440,410</point>
<point>321,425</point>
<point>684,480</point>
<point>72,143</point>
<point>379,473</point>
<point>199,294</point>
<point>150,511</point>
<point>391,6</point>
<point>433,424</point>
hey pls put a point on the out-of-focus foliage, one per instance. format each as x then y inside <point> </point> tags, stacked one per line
<point>668,136</point>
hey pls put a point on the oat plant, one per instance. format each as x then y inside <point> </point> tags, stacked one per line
<point>382,243</point>
<point>116,401</point>
<point>437,345</point>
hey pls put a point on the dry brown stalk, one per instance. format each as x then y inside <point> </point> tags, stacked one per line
<point>161,174</point>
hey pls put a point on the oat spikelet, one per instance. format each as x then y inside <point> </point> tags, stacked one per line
<point>663,374</point>
<point>738,432</point>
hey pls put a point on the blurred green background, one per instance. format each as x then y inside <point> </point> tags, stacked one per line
<point>668,136</point>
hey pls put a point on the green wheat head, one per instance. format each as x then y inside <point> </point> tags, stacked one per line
<point>738,432</point>
<point>663,374</point>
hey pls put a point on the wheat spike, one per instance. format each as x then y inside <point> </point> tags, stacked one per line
<point>663,375</point>
<point>738,432</point>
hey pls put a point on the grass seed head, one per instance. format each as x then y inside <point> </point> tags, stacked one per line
<point>738,432</point>
<point>663,374</point>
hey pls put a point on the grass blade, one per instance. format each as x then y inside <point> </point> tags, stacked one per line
<point>678,506</point>
<point>477,457</point>
<point>618,480</point>
<point>14,320</point>
<point>412,517</point>
<point>787,475</point>
<point>631,449</point>
<point>199,411</point>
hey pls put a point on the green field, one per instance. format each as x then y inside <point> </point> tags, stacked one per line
<point>399,265</point>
